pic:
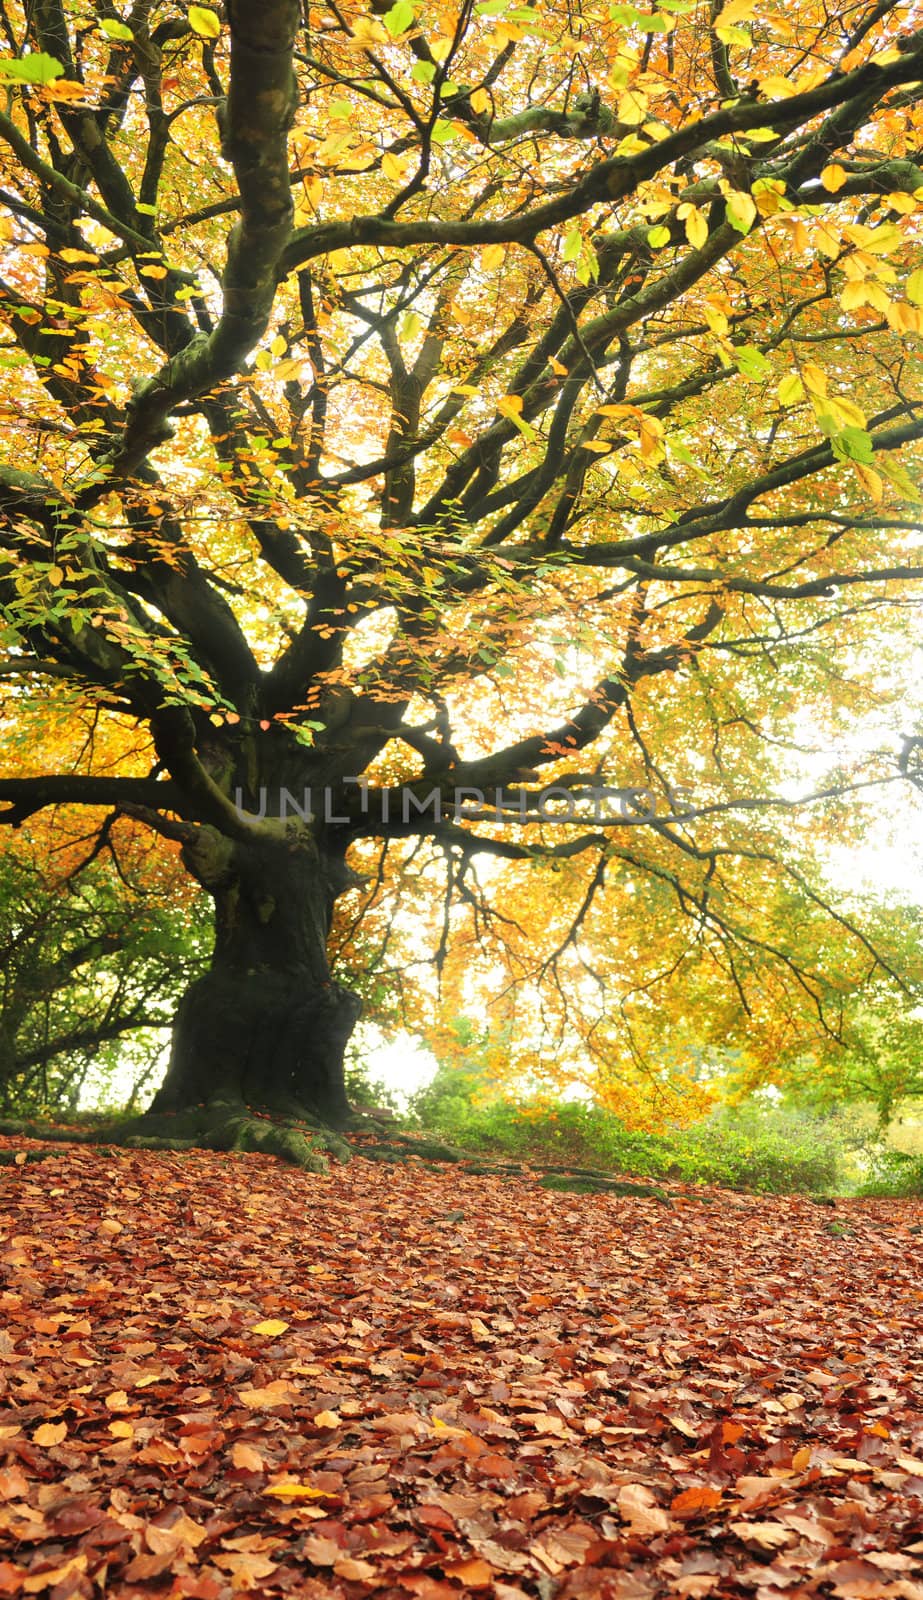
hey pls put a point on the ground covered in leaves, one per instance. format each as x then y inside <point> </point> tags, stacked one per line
<point>220,1374</point>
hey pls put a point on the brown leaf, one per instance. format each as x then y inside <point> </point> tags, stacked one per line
<point>638,1507</point>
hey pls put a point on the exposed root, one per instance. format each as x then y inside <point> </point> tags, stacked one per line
<point>301,1143</point>
<point>302,1140</point>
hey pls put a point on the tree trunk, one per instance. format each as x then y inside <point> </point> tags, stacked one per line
<point>266,1026</point>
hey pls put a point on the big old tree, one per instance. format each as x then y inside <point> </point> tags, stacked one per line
<point>459,397</point>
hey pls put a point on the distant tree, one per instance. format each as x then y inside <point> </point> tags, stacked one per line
<point>94,954</point>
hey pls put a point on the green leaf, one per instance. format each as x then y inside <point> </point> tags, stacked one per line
<point>681,452</point>
<point>751,363</point>
<point>491,8</point>
<point>423,71</point>
<point>443,131</point>
<point>741,211</point>
<point>658,236</point>
<point>399,18</point>
<point>853,444</point>
<point>115,30</point>
<point>447,89</point>
<point>411,325</point>
<point>147,211</point>
<point>205,23</point>
<point>573,244</point>
<point>37,68</point>
<point>913,288</point>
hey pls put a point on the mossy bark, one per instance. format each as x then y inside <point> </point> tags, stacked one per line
<point>267,1026</point>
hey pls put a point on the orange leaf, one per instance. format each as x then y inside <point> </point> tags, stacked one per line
<point>691,1501</point>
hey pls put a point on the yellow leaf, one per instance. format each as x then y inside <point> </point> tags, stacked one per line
<point>203,22</point>
<point>716,319</point>
<point>825,240</point>
<point>79,255</point>
<point>65,89</point>
<point>117,1401</point>
<point>270,1329</point>
<point>510,404</point>
<point>326,1419</point>
<point>694,223</point>
<point>392,167</point>
<point>845,414</point>
<point>898,201</point>
<point>493,255</point>
<point>736,11</point>
<point>368,32</point>
<point>833,177</point>
<point>601,447</point>
<point>288,369</point>
<point>55,575</point>
<point>50,1433</point>
<point>480,101</point>
<point>121,1430</point>
<point>632,108</point>
<point>913,288</point>
<point>870,480</point>
<point>790,390</point>
<point>815,381</point>
<point>853,295</point>
<point>152,272</point>
<point>278,346</point>
<point>741,210</point>
<point>296,1491</point>
<point>775,87</point>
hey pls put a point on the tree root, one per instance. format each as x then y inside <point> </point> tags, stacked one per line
<point>599,1183</point>
<point>227,1126</point>
<point>302,1141</point>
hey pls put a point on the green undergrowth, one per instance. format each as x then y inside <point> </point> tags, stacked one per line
<point>765,1150</point>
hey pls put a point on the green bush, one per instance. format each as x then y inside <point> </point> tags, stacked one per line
<point>760,1147</point>
<point>894,1174</point>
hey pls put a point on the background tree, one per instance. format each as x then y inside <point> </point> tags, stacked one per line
<point>95,950</point>
<point>475,397</point>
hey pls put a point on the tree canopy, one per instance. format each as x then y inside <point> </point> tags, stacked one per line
<point>478,400</point>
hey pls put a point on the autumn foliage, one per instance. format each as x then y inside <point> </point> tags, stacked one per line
<point>474,398</point>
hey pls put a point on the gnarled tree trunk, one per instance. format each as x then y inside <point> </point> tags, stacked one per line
<point>266,1026</point>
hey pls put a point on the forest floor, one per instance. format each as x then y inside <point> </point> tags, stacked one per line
<point>221,1374</point>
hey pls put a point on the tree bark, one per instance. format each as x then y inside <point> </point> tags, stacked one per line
<point>267,1026</point>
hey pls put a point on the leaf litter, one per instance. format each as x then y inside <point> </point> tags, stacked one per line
<point>263,1381</point>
